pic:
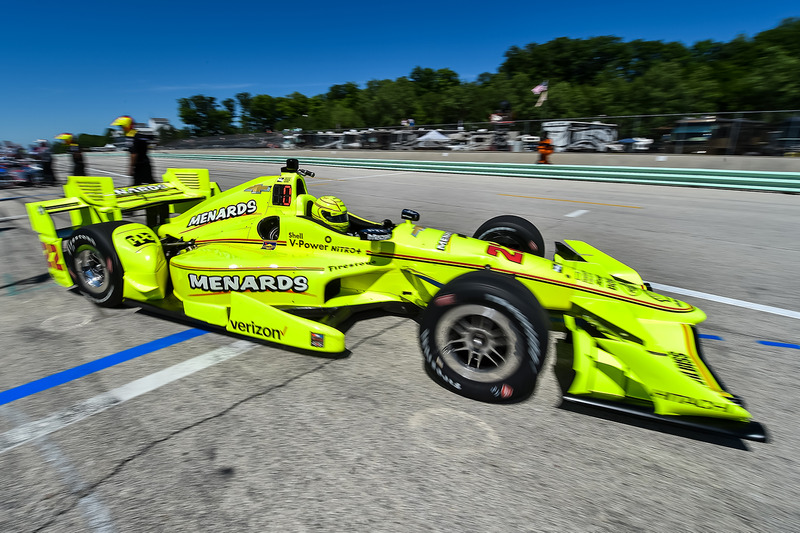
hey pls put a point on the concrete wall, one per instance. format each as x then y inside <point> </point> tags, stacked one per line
<point>738,162</point>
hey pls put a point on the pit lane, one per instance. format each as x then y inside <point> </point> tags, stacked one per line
<point>266,439</point>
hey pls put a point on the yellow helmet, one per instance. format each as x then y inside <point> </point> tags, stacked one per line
<point>332,212</point>
<point>125,121</point>
<point>66,137</point>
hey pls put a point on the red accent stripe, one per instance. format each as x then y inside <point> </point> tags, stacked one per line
<point>540,279</point>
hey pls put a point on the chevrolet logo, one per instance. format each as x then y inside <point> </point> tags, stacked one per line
<point>258,189</point>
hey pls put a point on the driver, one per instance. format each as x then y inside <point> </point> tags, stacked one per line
<point>332,212</point>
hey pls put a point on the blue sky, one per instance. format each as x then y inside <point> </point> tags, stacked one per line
<point>75,66</point>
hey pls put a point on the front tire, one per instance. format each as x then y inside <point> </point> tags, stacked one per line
<point>94,264</point>
<point>512,232</point>
<point>484,336</point>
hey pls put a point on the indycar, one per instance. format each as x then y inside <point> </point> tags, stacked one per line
<point>253,261</point>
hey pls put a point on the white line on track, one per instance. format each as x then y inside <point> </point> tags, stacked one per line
<point>577,213</point>
<point>109,172</point>
<point>95,512</point>
<point>16,217</point>
<point>371,176</point>
<point>725,300</point>
<point>82,410</point>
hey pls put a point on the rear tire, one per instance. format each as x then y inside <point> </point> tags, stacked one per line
<point>484,336</point>
<point>94,265</point>
<point>512,232</point>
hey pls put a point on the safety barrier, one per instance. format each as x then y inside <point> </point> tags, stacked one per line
<point>787,182</point>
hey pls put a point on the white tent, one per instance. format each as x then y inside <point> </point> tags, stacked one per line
<point>433,135</point>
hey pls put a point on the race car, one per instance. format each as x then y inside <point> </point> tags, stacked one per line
<point>254,262</point>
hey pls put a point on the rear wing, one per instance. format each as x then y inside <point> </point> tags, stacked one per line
<point>94,199</point>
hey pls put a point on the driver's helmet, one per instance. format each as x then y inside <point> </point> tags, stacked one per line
<point>332,212</point>
<point>66,137</point>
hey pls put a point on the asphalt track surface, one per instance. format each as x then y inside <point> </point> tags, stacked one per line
<point>182,430</point>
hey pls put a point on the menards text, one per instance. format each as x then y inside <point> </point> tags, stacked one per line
<point>224,212</point>
<point>252,283</point>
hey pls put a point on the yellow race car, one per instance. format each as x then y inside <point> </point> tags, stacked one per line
<point>254,261</point>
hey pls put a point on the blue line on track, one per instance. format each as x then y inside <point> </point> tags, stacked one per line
<point>72,374</point>
<point>712,337</point>
<point>780,344</point>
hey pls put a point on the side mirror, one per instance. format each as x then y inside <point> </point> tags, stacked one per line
<point>409,214</point>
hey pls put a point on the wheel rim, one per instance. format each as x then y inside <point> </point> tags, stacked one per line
<point>479,343</point>
<point>91,268</point>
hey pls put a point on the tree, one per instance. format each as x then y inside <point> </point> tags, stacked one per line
<point>203,116</point>
<point>588,77</point>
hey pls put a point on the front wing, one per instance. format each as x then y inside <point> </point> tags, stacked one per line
<point>675,385</point>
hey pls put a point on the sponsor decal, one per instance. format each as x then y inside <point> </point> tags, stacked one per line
<point>258,189</point>
<point>351,265</point>
<point>686,366</point>
<point>436,364</point>
<point>251,328</point>
<point>697,402</point>
<point>140,239</point>
<point>124,191</point>
<point>513,256</point>
<point>317,340</point>
<point>224,212</point>
<point>75,241</point>
<point>298,242</point>
<point>271,245</point>
<point>416,230</point>
<point>624,287</point>
<point>262,283</point>
<point>533,339</point>
<point>443,240</point>
<point>445,299</point>
<point>504,391</point>
<point>557,267</point>
<point>345,249</point>
<point>139,189</point>
<point>51,253</point>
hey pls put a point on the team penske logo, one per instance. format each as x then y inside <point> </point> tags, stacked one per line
<point>263,283</point>
<point>224,212</point>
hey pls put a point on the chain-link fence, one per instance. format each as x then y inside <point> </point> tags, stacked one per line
<point>743,132</point>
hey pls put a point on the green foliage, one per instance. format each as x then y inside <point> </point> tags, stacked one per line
<point>587,77</point>
<point>203,117</point>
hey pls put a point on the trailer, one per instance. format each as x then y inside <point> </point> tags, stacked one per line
<point>573,136</point>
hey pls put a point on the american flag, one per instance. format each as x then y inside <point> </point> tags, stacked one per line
<point>540,88</point>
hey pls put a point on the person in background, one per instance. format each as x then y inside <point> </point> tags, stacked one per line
<point>46,160</point>
<point>545,149</point>
<point>78,167</point>
<point>140,168</point>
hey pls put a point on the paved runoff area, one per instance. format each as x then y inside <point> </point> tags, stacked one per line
<point>116,420</point>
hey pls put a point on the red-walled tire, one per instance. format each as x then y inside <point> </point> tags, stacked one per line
<point>512,232</point>
<point>484,336</point>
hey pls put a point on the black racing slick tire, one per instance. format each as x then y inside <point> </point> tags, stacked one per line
<point>94,264</point>
<point>484,336</point>
<point>512,232</point>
